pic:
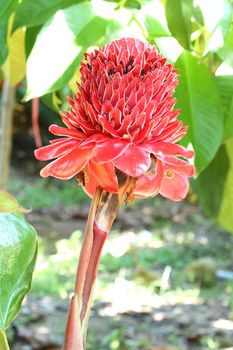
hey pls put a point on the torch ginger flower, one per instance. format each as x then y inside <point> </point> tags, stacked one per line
<point>120,139</point>
<point>122,118</point>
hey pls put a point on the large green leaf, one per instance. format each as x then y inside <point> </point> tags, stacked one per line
<point>179,14</point>
<point>33,13</point>
<point>217,22</point>
<point>60,43</point>
<point>201,108</point>
<point>225,216</point>
<point>225,86</point>
<point>211,182</point>
<point>18,248</point>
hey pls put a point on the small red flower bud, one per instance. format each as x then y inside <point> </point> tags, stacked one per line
<point>122,119</point>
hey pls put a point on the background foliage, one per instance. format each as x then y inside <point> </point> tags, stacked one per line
<point>42,42</point>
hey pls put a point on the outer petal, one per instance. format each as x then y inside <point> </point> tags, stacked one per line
<point>56,149</point>
<point>134,161</point>
<point>93,139</point>
<point>178,165</point>
<point>108,150</point>
<point>148,186</point>
<point>174,187</point>
<point>68,165</point>
<point>168,148</point>
<point>61,131</point>
<point>91,184</point>
<point>105,175</point>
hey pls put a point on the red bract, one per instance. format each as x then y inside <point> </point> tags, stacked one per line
<point>122,120</point>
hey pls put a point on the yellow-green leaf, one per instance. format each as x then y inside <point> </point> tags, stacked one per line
<point>15,65</point>
<point>8,204</point>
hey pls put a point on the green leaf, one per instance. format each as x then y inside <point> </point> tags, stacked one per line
<point>211,182</point>
<point>8,204</point>
<point>18,248</point>
<point>179,14</point>
<point>225,86</point>
<point>217,22</point>
<point>201,108</point>
<point>3,341</point>
<point>6,8</point>
<point>226,52</point>
<point>225,217</point>
<point>3,39</point>
<point>154,28</point>
<point>30,38</point>
<point>65,36</point>
<point>33,13</point>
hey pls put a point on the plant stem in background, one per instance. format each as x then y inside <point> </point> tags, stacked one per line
<point>6,122</point>
<point>3,341</point>
<point>35,121</point>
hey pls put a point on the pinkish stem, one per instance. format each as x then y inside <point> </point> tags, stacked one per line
<point>99,238</point>
<point>102,213</point>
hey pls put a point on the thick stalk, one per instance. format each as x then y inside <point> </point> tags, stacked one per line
<point>3,341</point>
<point>102,213</point>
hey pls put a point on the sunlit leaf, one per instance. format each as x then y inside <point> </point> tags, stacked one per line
<point>217,21</point>
<point>226,52</point>
<point>33,13</point>
<point>65,36</point>
<point>15,65</point>
<point>225,216</point>
<point>8,204</point>
<point>179,14</point>
<point>201,108</point>
<point>18,249</point>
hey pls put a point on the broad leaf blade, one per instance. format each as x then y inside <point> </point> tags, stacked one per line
<point>18,248</point>
<point>65,36</point>
<point>211,182</point>
<point>201,108</point>
<point>179,15</point>
<point>225,86</point>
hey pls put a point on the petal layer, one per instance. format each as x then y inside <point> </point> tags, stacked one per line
<point>56,149</point>
<point>134,161</point>
<point>174,187</point>
<point>68,165</point>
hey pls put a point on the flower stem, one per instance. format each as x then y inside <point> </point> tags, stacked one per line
<point>3,341</point>
<point>104,208</point>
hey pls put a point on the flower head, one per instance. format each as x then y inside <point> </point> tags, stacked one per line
<point>122,120</point>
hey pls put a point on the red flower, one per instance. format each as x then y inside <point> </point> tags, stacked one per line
<point>122,118</point>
